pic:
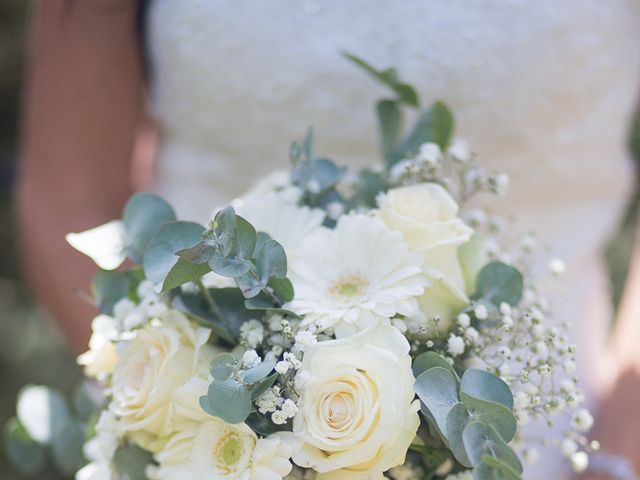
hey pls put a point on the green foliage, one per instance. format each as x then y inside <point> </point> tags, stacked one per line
<point>405,92</point>
<point>108,287</point>
<point>472,415</point>
<point>223,366</point>
<point>67,448</point>
<point>259,372</point>
<point>143,215</point>
<point>228,400</point>
<point>497,283</point>
<point>130,463</point>
<point>25,455</point>
<point>160,262</point>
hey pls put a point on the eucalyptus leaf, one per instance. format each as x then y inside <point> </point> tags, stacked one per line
<point>457,420</point>
<point>200,252</point>
<point>438,390</point>
<point>143,215</point>
<point>228,400</point>
<point>497,283</point>
<point>250,284</point>
<point>246,238</point>
<point>428,360</point>
<point>480,440</point>
<point>491,413</point>
<point>282,288</point>
<point>225,228</point>
<point>232,266</point>
<point>260,371</point>
<point>108,288</point>
<point>271,260</point>
<point>160,255</point>
<point>482,385</point>
<point>263,385</point>
<point>25,455</point>
<point>223,366</point>
<point>66,449</point>
<point>130,463</point>
<point>183,272</point>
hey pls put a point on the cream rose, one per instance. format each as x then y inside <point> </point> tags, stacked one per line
<point>101,358</point>
<point>152,367</point>
<point>358,416</point>
<point>427,217</point>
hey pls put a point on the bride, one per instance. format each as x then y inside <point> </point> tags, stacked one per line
<point>543,91</point>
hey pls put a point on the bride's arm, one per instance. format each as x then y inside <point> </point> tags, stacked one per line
<point>617,421</point>
<point>82,104</point>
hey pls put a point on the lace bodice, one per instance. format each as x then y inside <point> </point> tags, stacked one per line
<point>542,90</point>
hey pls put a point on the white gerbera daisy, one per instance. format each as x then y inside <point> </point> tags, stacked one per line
<point>357,274</point>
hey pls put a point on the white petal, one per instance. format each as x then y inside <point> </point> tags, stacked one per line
<point>105,244</point>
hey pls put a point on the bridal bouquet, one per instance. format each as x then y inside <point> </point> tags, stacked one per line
<point>328,324</point>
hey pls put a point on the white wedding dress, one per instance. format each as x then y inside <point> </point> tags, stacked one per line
<point>543,90</point>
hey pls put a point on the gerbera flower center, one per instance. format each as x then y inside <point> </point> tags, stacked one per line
<point>348,286</point>
<point>228,452</point>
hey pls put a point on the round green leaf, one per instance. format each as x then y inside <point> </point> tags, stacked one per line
<point>260,371</point>
<point>109,287</point>
<point>130,463</point>
<point>428,360</point>
<point>482,385</point>
<point>67,448</point>
<point>228,400</point>
<point>437,388</point>
<point>160,255</point>
<point>497,283</point>
<point>223,366</point>
<point>271,260</point>
<point>142,216</point>
<point>25,455</point>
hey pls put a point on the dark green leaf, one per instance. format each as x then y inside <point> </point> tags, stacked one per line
<point>246,238</point>
<point>497,283</point>
<point>428,360</point>
<point>271,260</point>
<point>263,385</point>
<point>25,455</point>
<point>282,288</point>
<point>199,253</point>
<point>262,424</point>
<point>108,287</point>
<point>228,400</point>
<point>160,255</point>
<point>389,122</point>
<point>142,216</point>
<point>67,448</point>
<point>183,272</point>
<point>130,463</point>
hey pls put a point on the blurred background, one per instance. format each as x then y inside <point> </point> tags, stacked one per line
<point>32,351</point>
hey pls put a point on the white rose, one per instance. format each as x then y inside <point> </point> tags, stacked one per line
<point>358,416</point>
<point>151,368</point>
<point>206,447</point>
<point>427,217</point>
<point>101,358</point>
